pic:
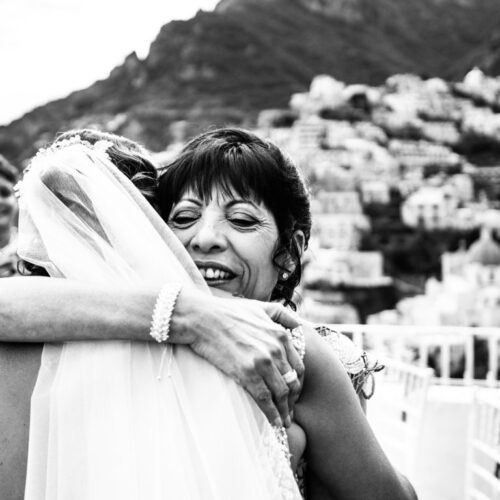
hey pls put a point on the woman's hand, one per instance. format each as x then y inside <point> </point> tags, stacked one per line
<point>247,340</point>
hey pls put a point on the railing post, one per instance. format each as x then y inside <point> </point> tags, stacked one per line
<point>357,338</point>
<point>445,361</point>
<point>492,360</point>
<point>423,353</point>
<point>469,457</point>
<point>495,359</point>
<point>469,359</point>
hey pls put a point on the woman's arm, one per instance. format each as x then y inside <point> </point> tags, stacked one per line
<point>343,456</point>
<point>243,338</point>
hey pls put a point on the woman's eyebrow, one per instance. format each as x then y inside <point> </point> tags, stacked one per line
<point>190,200</point>
<point>241,201</point>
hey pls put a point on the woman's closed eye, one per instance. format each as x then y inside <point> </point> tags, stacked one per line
<point>243,221</point>
<point>184,218</point>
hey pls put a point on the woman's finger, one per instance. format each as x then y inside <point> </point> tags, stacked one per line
<point>293,359</point>
<point>282,315</point>
<point>296,364</point>
<point>273,378</point>
<point>261,394</point>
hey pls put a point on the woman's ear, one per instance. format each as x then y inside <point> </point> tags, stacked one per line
<point>300,240</point>
<point>286,261</point>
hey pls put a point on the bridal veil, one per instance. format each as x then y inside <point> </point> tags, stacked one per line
<point>110,419</point>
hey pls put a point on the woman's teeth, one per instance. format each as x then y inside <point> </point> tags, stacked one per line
<point>211,273</point>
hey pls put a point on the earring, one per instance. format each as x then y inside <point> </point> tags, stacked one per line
<point>284,276</point>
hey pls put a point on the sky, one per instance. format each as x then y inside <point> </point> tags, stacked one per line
<point>49,48</point>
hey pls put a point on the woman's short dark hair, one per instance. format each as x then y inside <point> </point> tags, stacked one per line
<point>238,161</point>
<point>128,156</point>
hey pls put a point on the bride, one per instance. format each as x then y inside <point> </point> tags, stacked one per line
<point>124,419</point>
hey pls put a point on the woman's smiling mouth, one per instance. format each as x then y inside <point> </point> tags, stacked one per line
<point>213,273</point>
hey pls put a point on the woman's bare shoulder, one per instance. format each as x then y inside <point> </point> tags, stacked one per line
<point>357,364</point>
<point>324,369</point>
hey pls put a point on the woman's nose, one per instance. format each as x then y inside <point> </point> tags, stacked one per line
<point>209,237</point>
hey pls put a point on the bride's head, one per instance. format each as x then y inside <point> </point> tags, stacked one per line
<point>241,209</point>
<point>127,156</point>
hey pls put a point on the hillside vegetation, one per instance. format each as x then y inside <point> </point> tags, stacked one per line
<point>224,66</point>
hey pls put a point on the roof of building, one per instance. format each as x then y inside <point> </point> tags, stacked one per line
<point>485,251</point>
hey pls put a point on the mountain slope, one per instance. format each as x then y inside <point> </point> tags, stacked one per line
<point>224,66</point>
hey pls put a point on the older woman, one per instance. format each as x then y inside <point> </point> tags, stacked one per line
<point>241,209</point>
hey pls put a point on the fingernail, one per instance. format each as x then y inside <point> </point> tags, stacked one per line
<point>288,422</point>
<point>278,422</point>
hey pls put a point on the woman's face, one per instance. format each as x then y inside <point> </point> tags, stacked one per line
<point>231,240</point>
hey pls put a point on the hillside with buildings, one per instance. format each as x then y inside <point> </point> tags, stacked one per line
<point>225,66</point>
<point>404,177</point>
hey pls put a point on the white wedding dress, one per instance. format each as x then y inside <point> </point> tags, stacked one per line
<point>129,420</point>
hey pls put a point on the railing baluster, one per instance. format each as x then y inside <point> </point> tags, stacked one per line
<point>469,359</point>
<point>494,364</point>
<point>357,338</point>
<point>397,340</point>
<point>492,361</point>
<point>445,360</point>
<point>423,354</point>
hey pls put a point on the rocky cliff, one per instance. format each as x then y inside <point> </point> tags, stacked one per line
<point>224,66</point>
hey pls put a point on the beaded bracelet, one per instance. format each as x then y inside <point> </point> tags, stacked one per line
<point>162,313</point>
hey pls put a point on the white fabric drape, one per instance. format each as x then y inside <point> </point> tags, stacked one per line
<point>103,426</point>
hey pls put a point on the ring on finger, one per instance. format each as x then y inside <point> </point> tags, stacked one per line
<point>290,377</point>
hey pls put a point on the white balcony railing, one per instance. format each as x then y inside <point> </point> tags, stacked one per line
<point>451,348</point>
<point>440,451</point>
<point>483,457</point>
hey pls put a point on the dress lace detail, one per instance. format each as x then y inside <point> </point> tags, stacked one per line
<point>278,449</point>
<point>355,361</point>
<point>279,453</point>
<point>298,341</point>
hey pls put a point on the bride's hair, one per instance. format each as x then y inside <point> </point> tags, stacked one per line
<point>130,158</point>
<point>235,160</point>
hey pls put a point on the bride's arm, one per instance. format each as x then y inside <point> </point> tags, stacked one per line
<point>343,456</point>
<point>240,337</point>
